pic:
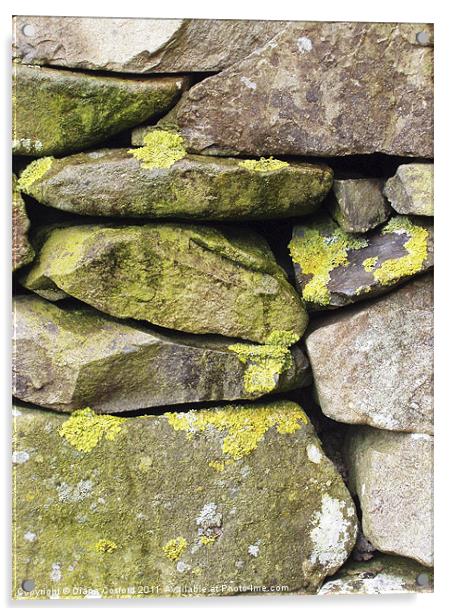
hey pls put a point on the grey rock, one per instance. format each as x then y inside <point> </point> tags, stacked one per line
<point>373,363</point>
<point>300,94</point>
<point>410,191</point>
<point>392,475</point>
<point>22,250</point>
<point>358,205</point>
<point>72,357</point>
<point>138,45</point>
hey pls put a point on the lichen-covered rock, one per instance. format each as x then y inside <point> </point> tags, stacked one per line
<point>177,504</point>
<point>23,252</point>
<point>392,475</point>
<point>410,191</point>
<point>56,112</point>
<point>67,358</point>
<point>334,268</point>
<point>382,575</point>
<point>300,94</point>
<point>185,277</point>
<point>373,363</point>
<point>138,45</point>
<point>159,181</point>
<point>358,205</point>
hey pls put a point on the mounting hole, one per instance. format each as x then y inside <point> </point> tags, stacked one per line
<point>422,37</point>
<point>28,30</point>
<point>423,579</point>
<point>28,585</point>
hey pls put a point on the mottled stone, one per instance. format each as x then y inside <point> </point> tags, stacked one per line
<point>334,268</point>
<point>358,205</point>
<point>322,89</point>
<point>183,503</point>
<point>57,112</point>
<point>392,475</point>
<point>113,366</point>
<point>138,45</point>
<point>22,251</point>
<point>380,576</point>
<point>410,191</point>
<point>118,183</point>
<point>190,278</point>
<point>373,363</point>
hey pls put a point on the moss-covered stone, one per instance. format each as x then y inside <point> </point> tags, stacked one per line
<point>334,268</point>
<point>185,277</point>
<point>60,111</point>
<point>22,251</point>
<point>159,180</point>
<point>68,357</point>
<point>410,190</point>
<point>147,514</point>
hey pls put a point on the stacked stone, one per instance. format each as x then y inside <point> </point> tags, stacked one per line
<point>155,278</point>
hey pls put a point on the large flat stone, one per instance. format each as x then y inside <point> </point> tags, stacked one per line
<point>320,89</point>
<point>373,363</point>
<point>177,504</point>
<point>185,277</point>
<point>56,112</point>
<point>117,183</point>
<point>22,251</point>
<point>392,474</point>
<point>334,268</point>
<point>68,358</point>
<point>131,45</point>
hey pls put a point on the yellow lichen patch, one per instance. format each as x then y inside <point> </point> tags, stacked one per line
<point>105,546</point>
<point>263,164</point>
<point>217,465</point>
<point>370,263</point>
<point>208,540</point>
<point>244,427</point>
<point>393,270</point>
<point>319,251</point>
<point>175,548</point>
<point>34,172</point>
<point>84,429</point>
<point>161,150</point>
<point>266,361</point>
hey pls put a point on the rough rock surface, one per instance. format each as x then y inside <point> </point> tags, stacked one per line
<point>23,252</point>
<point>138,45</point>
<point>322,89</point>
<point>334,268</point>
<point>392,474</point>
<point>373,363</point>
<point>382,575</point>
<point>184,503</point>
<point>410,191</point>
<point>113,366</point>
<point>117,183</point>
<point>358,205</point>
<point>56,112</point>
<point>185,277</point>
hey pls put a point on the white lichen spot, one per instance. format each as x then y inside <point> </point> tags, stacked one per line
<point>239,564</point>
<point>314,454</point>
<point>29,536</point>
<point>253,550</point>
<point>19,457</point>
<point>73,494</point>
<point>304,44</point>
<point>249,84</point>
<point>181,567</point>
<point>330,533</point>
<point>209,516</point>
<point>55,574</point>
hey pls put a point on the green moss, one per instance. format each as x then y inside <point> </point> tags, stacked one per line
<point>161,150</point>
<point>393,270</point>
<point>265,362</point>
<point>370,263</point>
<point>244,427</point>
<point>263,164</point>
<point>105,546</point>
<point>34,172</point>
<point>175,548</point>
<point>321,249</point>
<point>84,429</point>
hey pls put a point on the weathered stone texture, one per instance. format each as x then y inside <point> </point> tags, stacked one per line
<point>184,503</point>
<point>23,252</point>
<point>392,474</point>
<point>410,191</point>
<point>373,363</point>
